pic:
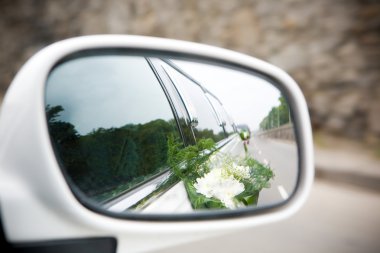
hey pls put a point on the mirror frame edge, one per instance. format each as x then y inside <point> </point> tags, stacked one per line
<point>47,58</point>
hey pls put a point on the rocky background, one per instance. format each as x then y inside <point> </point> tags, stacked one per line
<point>331,48</point>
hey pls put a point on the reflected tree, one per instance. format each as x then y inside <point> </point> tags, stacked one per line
<point>278,116</point>
<point>111,159</point>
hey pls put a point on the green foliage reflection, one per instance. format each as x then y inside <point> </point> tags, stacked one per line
<point>106,162</point>
<point>278,116</point>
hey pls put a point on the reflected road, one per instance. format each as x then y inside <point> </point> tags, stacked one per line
<point>282,157</point>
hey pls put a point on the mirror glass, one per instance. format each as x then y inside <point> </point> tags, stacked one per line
<point>158,134</point>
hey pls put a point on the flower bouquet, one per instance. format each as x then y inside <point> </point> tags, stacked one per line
<point>231,181</point>
<point>214,180</point>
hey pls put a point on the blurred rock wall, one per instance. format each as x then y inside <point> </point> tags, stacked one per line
<point>331,48</point>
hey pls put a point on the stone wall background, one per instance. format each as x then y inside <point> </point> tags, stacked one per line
<point>331,48</point>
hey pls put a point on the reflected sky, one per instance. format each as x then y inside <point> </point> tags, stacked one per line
<point>247,98</point>
<point>106,91</point>
<point>117,79</point>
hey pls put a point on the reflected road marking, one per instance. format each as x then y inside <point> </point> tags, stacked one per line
<point>282,191</point>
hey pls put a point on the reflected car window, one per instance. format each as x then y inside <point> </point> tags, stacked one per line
<point>222,115</point>
<point>198,105</point>
<point>109,120</point>
<point>183,117</point>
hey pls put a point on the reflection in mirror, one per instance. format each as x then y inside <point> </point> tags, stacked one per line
<point>158,135</point>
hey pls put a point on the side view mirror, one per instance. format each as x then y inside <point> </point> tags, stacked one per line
<point>132,136</point>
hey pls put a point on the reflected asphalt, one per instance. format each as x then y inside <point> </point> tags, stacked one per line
<point>282,157</point>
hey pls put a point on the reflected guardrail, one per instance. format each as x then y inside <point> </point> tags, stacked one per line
<point>284,132</point>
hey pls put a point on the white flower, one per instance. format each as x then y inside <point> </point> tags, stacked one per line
<point>241,172</point>
<point>218,184</point>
